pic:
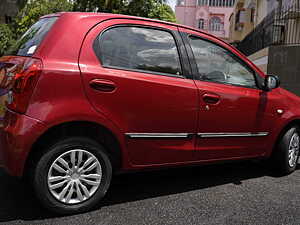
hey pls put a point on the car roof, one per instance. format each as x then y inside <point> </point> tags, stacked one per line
<point>92,18</point>
<point>121,16</point>
<point>111,15</point>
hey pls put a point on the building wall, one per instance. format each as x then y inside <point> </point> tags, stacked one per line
<point>260,59</point>
<point>273,4</point>
<point>188,12</point>
<point>284,62</point>
<point>235,34</point>
<point>254,11</point>
<point>272,58</point>
<point>262,10</point>
<point>238,31</point>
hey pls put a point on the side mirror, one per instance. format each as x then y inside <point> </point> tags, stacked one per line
<point>271,82</point>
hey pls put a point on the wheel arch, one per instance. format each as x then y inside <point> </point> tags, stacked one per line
<point>93,130</point>
<point>294,122</point>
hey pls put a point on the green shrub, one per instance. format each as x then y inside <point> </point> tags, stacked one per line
<point>6,38</point>
<point>35,9</point>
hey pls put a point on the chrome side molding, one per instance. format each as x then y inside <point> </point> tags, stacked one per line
<point>230,134</point>
<point>158,135</point>
<point>201,135</point>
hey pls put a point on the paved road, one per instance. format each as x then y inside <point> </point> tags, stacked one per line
<point>240,193</point>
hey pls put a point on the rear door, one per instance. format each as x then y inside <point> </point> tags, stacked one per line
<point>134,73</point>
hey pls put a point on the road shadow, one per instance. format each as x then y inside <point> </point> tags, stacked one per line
<point>18,203</point>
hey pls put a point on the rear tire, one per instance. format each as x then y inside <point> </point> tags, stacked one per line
<point>287,152</point>
<point>72,176</point>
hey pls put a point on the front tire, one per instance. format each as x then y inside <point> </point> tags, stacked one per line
<point>287,153</point>
<point>72,176</point>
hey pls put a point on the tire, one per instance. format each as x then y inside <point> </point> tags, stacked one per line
<point>288,142</point>
<point>59,198</point>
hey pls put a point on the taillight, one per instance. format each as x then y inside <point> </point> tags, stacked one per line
<point>23,85</point>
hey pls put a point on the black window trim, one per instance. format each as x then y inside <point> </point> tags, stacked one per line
<point>185,69</point>
<point>194,67</point>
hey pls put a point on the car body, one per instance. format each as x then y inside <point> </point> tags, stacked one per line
<point>145,115</point>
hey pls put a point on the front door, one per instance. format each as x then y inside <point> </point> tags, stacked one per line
<point>234,121</point>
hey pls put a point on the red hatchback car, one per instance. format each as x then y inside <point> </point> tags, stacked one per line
<point>90,95</point>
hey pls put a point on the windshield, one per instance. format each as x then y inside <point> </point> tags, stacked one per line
<point>32,38</point>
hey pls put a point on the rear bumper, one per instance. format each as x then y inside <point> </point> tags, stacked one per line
<point>17,135</point>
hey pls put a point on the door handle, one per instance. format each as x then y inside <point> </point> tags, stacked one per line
<point>211,98</point>
<point>103,85</point>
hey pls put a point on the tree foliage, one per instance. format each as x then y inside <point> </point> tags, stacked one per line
<point>156,9</point>
<point>88,5</point>
<point>110,6</point>
<point>6,38</point>
<point>166,13</point>
<point>151,9</point>
<point>32,11</point>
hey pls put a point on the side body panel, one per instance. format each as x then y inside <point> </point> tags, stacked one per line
<point>61,96</point>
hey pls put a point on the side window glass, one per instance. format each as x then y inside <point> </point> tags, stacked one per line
<point>220,65</point>
<point>137,48</point>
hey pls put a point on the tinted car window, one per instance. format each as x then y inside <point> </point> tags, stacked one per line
<point>220,65</point>
<point>29,42</point>
<point>139,48</point>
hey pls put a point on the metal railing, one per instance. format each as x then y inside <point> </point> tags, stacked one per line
<point>280,27</point>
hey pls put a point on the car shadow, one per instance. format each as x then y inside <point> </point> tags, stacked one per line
<point>17,201</point>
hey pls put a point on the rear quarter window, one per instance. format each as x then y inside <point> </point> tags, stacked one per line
<point>29,42</point>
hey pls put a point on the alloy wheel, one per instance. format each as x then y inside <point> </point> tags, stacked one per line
<point>74,176</point>
<point>294,149</point>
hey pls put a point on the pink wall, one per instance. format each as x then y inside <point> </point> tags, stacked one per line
<point>188,13</point>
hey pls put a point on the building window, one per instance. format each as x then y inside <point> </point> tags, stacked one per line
<point>201,24</point>
<point>220,3</point>
<point>240,19</point>
<point>215,24</point>
<point>180,2</point>
<point>203,2</point>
